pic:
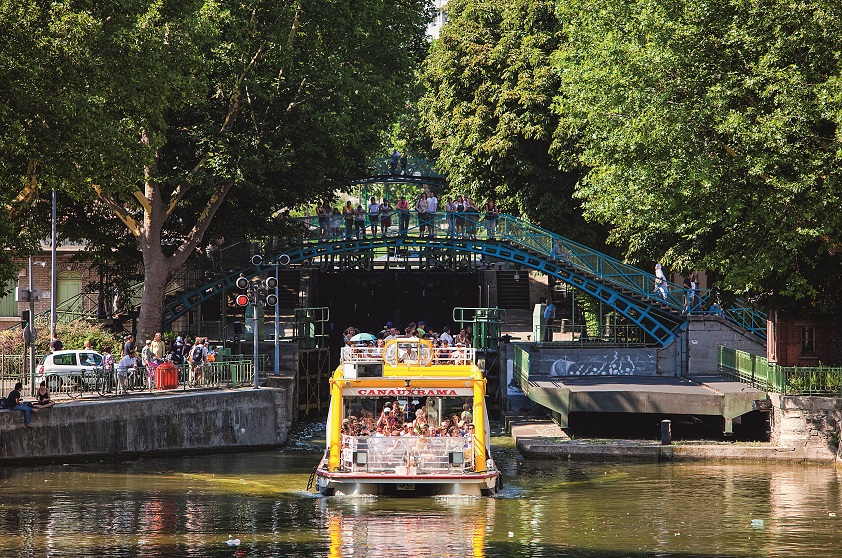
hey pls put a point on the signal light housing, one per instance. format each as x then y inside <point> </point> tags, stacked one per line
<point>271,300</point>
<point>242,300</point>
<point>271,282</point>
<point>242,283</point>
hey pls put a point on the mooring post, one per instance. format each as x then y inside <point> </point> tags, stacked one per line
<point>666,434</point>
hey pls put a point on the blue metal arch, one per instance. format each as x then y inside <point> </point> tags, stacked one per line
<point>660,323</point>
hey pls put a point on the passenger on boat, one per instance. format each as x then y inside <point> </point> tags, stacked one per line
<point>420,422</point>
<point>432,415</point>
<point>408,355</point>
<point>467,415</point>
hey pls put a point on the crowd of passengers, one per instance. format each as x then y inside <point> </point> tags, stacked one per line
<point>410,419</point>
<point>464,338</point>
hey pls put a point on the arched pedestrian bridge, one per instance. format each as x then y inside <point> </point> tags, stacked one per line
<point>451,240</point>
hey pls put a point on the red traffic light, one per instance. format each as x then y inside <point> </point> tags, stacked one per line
<point>242,300</point>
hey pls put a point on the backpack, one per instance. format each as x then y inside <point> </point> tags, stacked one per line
<point>196,354</point>
<point>549,311</point>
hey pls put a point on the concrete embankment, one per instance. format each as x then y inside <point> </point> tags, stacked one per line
<point>543,439</point>
<point>149,424</point>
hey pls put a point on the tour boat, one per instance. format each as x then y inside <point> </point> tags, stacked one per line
<point>427,384</point>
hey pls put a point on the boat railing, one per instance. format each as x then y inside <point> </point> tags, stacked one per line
<point>440,356</point>
<point>407,455</point>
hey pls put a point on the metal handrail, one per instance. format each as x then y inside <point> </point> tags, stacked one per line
<point>788,380</point>
<point>407,454</point>
<point>441,355</point>
<point>312,231</point>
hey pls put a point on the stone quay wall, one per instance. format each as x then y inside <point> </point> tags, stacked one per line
<point>150,424</point>
<point>809,425</point>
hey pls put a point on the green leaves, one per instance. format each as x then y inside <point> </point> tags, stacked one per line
<point>707,129</point>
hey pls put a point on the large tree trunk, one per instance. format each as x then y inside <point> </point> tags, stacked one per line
<point>156,275</point>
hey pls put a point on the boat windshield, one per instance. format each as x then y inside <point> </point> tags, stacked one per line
<point>408,416</point>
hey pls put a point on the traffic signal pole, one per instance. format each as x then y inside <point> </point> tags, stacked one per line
<point>32,329</point>
<point>277,369</point>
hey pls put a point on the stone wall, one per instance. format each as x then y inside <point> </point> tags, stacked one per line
<point>705,334</point>
<point>809,425</point>
<point>182,422</point>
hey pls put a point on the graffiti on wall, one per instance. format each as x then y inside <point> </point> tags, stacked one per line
<point>599,362</point>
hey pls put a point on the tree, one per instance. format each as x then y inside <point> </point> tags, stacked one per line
<point>490,84</point>
<point>711,134</point>
<point>174,114</point>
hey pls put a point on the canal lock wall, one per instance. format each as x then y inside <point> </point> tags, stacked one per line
<point>151,424</point>
<point>808,426</point>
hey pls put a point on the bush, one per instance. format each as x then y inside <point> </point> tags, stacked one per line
<point>72,336</point>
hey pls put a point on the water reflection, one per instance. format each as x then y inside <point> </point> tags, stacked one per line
<point>440,526</point>
<point>189,507</point>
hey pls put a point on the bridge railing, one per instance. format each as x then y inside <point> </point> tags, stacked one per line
<point>624,276</point>
<point>552,247</point>
<point>787,380</point>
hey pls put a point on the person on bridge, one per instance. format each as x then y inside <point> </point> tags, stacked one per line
<point>660,281</point>
<point>432,207</point>
<point>450,215</point>
<point>393,161</point>
<point>348,215</point>
<point>690,285</point>
<point>491,216</point>
<point>373,215</point>
<point>359,222</point>
<point>323,215</point>
<point>421,206</point>
<point>385,217</point>
<point>403,216</point>
<point>336,223</point>
<point>403,162</point>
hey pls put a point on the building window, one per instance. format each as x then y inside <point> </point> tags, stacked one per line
<point>808,341</point>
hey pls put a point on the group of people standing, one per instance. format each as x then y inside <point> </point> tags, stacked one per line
<point>690,286</point>
<point>463,217</point>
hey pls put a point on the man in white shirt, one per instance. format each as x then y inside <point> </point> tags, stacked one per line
<point>432,205</point>
<point>445,335</point>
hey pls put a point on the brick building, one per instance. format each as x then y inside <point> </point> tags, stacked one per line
<point>71,279</point>
<point>796,341</point>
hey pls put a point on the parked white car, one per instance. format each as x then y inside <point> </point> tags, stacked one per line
<point>63,369</point>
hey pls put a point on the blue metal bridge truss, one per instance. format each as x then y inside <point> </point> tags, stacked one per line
<point>626,289</point>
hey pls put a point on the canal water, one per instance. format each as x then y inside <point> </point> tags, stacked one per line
<point>190,506</point>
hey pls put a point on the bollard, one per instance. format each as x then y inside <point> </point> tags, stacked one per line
<point>666,434</point>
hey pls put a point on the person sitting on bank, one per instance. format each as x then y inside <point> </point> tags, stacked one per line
<point>43,395</point>
<point>15,403</point>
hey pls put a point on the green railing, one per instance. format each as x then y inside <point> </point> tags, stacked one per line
<point>787,380</point>
<point>231,372</point>
<point>521,368</point>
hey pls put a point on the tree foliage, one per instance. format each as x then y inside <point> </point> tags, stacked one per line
<point>711,134</point>
<point>490,83</point>
<point>172,114</point>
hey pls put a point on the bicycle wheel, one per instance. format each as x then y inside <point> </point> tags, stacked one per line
<point>74,387</point>
<point>104,383</point>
